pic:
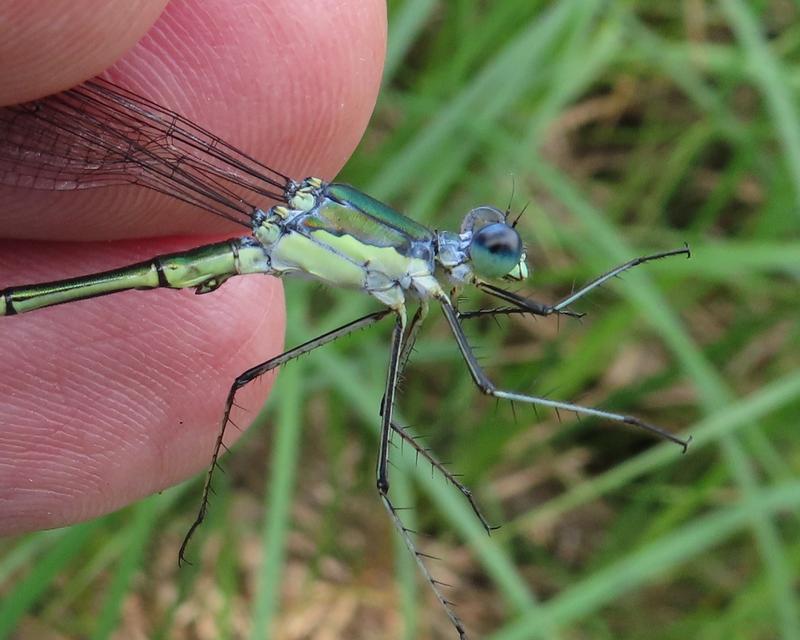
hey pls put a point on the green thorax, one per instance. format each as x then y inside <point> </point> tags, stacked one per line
<point>341,236</point>
<point>344,210</point>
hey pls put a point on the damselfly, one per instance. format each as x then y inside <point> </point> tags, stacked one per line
<point>100,134</point>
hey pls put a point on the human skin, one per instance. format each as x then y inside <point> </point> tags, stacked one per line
<point>107,400</point>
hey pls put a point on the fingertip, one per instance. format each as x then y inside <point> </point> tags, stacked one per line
<point>111,399</point>
<point>293,89</point>
<point>50,46</point>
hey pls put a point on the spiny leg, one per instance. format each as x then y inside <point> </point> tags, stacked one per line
<point>408,344</point>
<point>526,306</point>
<point>540,309</point>
<point>405,534</point>
<point>247,377</point>
<point>487,386</point>
<point>436,464</point>
<point>387,404</point>
<point>382,481</point>
<point>522,305</point>
<point>505,311</point>
<point>411,334</point>
<point>537,308</point>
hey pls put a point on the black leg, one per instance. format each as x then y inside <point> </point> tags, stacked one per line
<point>387,405</point>
<point>395,364</point>
<point>502,311</point>
<point>537,308</point>
<point>247,377</point>
<point>411,334</point>
<point>405,534</point>
<point>408,345</point>
<point>487,386</point>
<point>436,464</point>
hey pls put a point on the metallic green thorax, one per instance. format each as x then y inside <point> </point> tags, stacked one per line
<point>335,233</point>
<point>383,219</point>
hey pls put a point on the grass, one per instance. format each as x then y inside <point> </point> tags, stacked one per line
<point>627,127</point>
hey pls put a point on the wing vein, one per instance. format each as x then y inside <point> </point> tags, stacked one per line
<point>99,135</point>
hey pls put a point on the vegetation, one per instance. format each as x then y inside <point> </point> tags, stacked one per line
<point>625,128</point>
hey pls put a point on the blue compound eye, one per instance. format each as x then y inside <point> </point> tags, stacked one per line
<point>496,250</point>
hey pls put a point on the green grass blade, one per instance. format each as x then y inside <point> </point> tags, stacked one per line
<point>642,566</point>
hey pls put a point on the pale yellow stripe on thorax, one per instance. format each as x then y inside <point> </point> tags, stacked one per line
<point>296,252</point>
<point>384,260</point>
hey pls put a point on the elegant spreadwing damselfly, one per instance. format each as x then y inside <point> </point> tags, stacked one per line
<point>100,134</point>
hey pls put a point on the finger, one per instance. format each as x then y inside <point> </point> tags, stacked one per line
<point>113,398</point>
<point>75,38</point>
<point>292,91</point>
<point>130,387</point>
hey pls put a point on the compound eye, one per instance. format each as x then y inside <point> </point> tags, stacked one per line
<point>496,250</point>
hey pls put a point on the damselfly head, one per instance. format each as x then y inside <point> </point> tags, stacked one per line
<point>494,247</point>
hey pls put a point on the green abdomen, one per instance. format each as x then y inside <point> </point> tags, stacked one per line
<point>202,269</point>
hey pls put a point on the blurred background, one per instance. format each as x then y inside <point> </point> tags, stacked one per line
<point>626,128</point>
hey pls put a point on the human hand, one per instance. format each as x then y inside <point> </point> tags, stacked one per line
<point>109,400</point>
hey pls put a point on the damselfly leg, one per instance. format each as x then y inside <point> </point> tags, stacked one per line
<point>523,305</point>
<point>425,453</point>
<point>396,363</point>
<point>526,305</point>
<point>387,404</point>
<point>487,387</point>
<point>246,378</point>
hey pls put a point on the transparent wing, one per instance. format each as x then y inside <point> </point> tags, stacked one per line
<point>99,134</point>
